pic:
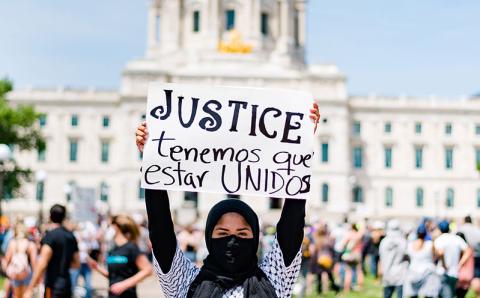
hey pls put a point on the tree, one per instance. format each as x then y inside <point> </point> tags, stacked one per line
<point>18,130</point>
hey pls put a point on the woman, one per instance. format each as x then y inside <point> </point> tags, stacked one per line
<point>20,260</point>
<point>322,260</point>
<point>189,241</point>
<point>465,273</point>
<point>421,278</point>
<point>127,266</point>
<point>351,257</point>
<point>232,236</point>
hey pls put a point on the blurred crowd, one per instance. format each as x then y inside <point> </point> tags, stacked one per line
<point>116,246</point>
<point>432,259</point>
<point>435,258</point>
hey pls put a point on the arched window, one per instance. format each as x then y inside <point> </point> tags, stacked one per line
<point>196,21</point>
<point>103,192</point>
<point>324,155</point>
<point>40,191</point>
<point>325,192</point>
<point>450,200</point>
<point>358,194</point>
<point>419,197</point>
<point>264,24</point>
<point>229,19</point>
<point>388,197</point>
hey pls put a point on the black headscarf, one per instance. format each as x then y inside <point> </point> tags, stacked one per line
<point>214,279</point>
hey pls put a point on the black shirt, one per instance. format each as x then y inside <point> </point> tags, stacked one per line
<point>63,245</point>
<point>121,263</point>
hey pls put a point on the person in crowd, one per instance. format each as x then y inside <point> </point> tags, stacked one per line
<point>430,226</point>
<point>306,257</point>
<point>337,234</point>
<point>472,235</point>
<point>421,278</point>
<point>321,264</point>
<point>189,241</point>
<point>373,246</point>
<point>453,253</point>
<point>232,230</point>
<point>20,260</point>
<point>351,256</point>
<point>126,265</point>
<point>465,272</point>
<point>6,235</point>
<point>366,240</point>
<point>85,235</point>
<point>144,242</point>
<point>392,252</point>
<point>59,253</point>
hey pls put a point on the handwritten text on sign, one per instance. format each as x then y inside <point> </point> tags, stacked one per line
<point>228,140</point>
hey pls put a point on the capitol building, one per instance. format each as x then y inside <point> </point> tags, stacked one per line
<point>375,156</point>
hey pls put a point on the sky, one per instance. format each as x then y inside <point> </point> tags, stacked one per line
<point>407,47</point>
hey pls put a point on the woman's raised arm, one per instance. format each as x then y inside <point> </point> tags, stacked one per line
<point>291,223</point>
<point>160,227</point>
<point>290,228</point>
<point>160,224</point>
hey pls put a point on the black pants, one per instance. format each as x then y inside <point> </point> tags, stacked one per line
<point>330,279</point>
<point>50,293</point>
<point>389,290</point>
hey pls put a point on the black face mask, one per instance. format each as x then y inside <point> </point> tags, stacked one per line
<point>233,254</point>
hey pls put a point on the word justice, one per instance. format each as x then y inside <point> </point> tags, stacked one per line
<point>213,113</point>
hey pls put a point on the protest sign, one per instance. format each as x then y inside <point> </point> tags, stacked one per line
<point>248,141</point>
<point>83,199</point>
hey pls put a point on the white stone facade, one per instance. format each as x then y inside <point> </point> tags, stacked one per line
<point>183,46</point>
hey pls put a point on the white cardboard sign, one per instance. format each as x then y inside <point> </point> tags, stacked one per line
<point>84,204</point>
<point>247,141</point>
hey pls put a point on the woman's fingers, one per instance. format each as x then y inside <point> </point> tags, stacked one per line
<point>315,115</point>
<point>141,132</point>
<point>141,135</point>
<point>140,140</point>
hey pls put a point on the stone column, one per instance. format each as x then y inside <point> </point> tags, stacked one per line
<point>254,15</point>
<point>302,22</point>
<point>284,15</point>
<point>152,28</point>
<point>214,24</point>
<point>170,27</point>
<point>302,29</point>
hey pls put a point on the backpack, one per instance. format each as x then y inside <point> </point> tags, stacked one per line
<point>19,266</point>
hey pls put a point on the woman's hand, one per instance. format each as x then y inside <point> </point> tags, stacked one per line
<point>119,287</point>
<point>92,263</point>
<point>28,293</point>
<point>141,135</point>
<point>315,115</point>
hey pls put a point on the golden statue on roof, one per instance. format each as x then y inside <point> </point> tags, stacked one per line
<point>235,44</point>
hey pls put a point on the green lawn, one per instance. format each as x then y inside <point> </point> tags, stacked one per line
<point>371,289</point>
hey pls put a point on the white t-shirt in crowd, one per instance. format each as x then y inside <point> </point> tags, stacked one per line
<point>452,247</point>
